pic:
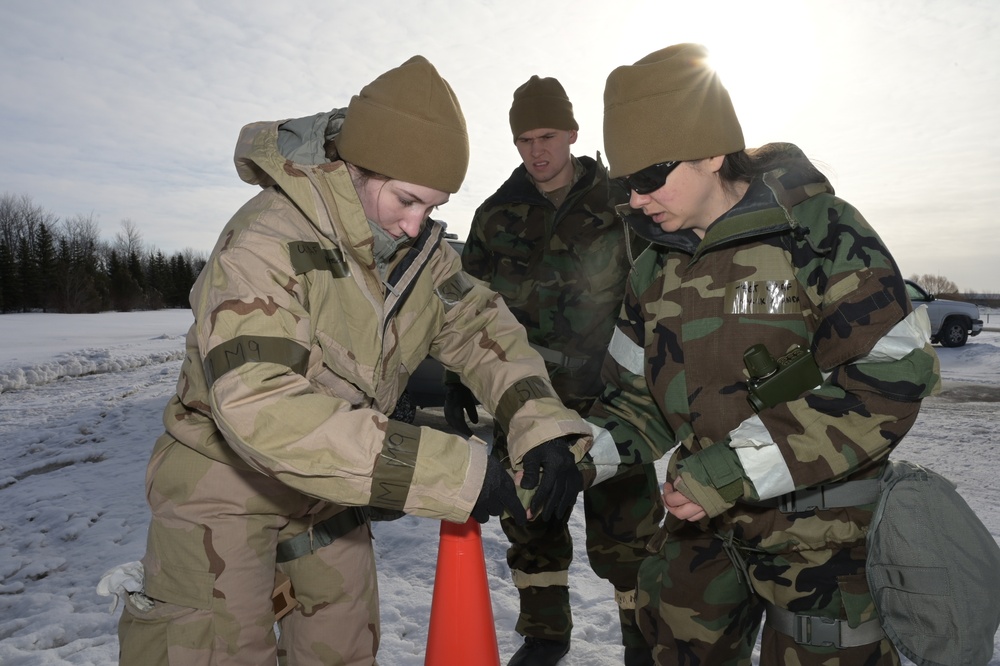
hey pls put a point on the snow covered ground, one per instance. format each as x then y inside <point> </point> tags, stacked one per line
<point>80,404</point>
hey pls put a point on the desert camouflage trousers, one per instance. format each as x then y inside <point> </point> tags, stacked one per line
<point>210,571</point>
<point>695,608</point>
<point>621,515</point>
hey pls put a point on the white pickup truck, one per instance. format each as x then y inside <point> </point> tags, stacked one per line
<point>952,322</point>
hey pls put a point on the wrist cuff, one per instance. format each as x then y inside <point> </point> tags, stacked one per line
<point>717,467</point>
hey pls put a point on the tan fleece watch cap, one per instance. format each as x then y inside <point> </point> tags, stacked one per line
<point>407,124</point>
<point>668,106</point>
<point>541,103</point>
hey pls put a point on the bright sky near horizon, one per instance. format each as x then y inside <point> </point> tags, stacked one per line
<point>131,110</point>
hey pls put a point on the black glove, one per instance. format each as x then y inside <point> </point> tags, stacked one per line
<point>561,481</point>
<point>457,399</point>
<point>498,493</point>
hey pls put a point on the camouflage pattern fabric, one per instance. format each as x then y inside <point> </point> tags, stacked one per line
<point>210,568</point>
<point>295,326</point>
<point>696,609</point>
<point>621,515</point>
<point>562,273</point>
<point>299,348</point>
<point>790,264</point>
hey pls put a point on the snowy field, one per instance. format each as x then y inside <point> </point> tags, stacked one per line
<point>80,404</point>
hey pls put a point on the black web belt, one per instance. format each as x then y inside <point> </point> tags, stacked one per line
<point>322,534</point>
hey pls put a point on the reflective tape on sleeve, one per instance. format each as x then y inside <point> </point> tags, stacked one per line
<point>626,353</point>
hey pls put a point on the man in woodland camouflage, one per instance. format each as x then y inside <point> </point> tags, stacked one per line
<point>549,242</point>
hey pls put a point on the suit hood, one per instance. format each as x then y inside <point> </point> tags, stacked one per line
<point>290,155</point>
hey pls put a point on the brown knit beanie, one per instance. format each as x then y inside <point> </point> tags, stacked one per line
<point>541,103</point>
<point>407,125</point>
<point>668,106</point>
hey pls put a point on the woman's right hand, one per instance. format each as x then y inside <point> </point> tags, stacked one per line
<point>678,504</point>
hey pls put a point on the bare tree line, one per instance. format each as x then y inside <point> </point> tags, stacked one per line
<point>935,284</point>
<point>53,265</point>
<point>940,286</point>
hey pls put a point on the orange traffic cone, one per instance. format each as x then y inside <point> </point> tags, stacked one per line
<point>461,631</point>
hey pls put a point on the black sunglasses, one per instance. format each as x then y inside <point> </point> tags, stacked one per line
<point>649,179</point>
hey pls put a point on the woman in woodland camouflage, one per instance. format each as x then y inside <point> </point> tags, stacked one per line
<point>770,490</point>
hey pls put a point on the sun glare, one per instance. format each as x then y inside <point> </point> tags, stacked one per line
<point>764,51</point>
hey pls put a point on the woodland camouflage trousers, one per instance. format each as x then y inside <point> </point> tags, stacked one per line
<point>621,516</point>
<point>695,608</point>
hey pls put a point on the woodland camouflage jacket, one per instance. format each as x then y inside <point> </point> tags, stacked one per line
<point>561,271</point>
<point>299,348</point>
<point>790,264</point>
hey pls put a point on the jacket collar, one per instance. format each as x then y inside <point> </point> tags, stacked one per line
<point>519,188</point>
<point>767,207</point>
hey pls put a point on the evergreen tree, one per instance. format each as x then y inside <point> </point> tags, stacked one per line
<point>87,272</point>
<point>78,287</point>
<point>126,294</point>
<point>27,275</point>
<point>10,295</point>
<point>46,267</point>
<point>158,281</point>
<point>180,278</point>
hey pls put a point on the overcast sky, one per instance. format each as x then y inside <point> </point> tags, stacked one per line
<point>120,109</point>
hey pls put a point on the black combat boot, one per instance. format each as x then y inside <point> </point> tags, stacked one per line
<point>539,652</point>
<point>638,656</point>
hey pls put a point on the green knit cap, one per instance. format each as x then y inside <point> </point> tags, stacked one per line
<point>668,106</point>
<point>407,125</point>
<point>541,103</point>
